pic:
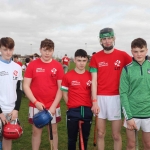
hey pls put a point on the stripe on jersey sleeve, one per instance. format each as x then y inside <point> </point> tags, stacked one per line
<point>64,88</point>
<point>93,70</point>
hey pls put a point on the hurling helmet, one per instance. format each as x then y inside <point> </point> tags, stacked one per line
<point>42,118</point>
<point>12,130</point>
<point>106,32</point>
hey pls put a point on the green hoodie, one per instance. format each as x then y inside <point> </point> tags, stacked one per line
<point>135,90</point>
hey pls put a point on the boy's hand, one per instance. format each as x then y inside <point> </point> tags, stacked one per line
<point>95,108</point>
<point>131,124</point>
<point>3,118</point>
<point>13,115</point>
<point>40,106</point>
<point>52,110</point>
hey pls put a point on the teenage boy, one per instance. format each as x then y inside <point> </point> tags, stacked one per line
<point>65,62</point>
<point>105,67</point>
<point>76,87</point>
<point>42,84</point>
<point>10,85</point>
<point>135,94</point>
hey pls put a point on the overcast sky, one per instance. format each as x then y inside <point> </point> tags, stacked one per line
<point>73,24</point>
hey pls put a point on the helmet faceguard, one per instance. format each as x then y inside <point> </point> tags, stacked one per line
<point>12,130</point>
<point>104,33</point>
<point>42,118</point>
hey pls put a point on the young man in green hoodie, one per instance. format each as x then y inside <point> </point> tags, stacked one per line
<point>135,94</point>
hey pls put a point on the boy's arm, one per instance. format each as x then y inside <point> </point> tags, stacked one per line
<point>124,90</point>
<point>57,98</point>
<point>19,95</point>
<point>14,113</point>
<point>28,92</point>
<point>65,96</point>
<point>95,107</point>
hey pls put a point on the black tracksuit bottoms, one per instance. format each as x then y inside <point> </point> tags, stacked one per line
<point>74,115</point>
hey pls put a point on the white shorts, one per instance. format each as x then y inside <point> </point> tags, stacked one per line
<point>144,124</point>
<point>110,107</point>
<point>56,117</point>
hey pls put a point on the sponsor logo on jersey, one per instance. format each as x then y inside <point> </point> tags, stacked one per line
<point>102,64</point>
<point>73,83</point>
<point>148,71</point>
<point>53,72</point>
<point>40,70</point>
<point>15,73</point>
<point>3,73</point>
<point>117,64</point>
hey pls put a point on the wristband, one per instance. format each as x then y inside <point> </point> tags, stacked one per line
<point>35,102</point>
<point>94,100</point>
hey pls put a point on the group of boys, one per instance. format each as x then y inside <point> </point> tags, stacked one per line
<point>114,79</point>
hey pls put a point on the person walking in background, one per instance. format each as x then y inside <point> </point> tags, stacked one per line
<point>16,60</point>
<point>65,62</point>
<point>76,87</point>
<point>36,56</point>
<point>42,82</point>
<point>135,94</point>
<point>10,85</point>
<point>31,58</point>
<point>27,61</point>
<point>105,67</point>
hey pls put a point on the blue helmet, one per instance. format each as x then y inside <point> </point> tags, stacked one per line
<point>42,118</point>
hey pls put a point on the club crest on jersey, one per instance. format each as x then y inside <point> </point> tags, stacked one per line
<point>148,71</point>
<point>53,72</point>
<point>88,84</point>
<point>117,64</point>
<point>15,73</point>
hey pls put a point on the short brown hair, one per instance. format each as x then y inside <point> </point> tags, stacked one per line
<point>47,43</point>
<point>15,56</point>
<point>7,42</point>
<point>139,42</point>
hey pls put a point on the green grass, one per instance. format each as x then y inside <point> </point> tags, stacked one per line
<point>24,143</point>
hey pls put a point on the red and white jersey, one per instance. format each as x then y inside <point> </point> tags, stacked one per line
<point>78,87</point>
<point>65,60</point>
<point>44,80</point>
<point>109,67</point>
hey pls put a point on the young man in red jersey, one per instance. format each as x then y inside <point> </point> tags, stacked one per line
<point>105,67</point>
<point>65,62</point>
<point>76,87</point>
<point>42,82</point>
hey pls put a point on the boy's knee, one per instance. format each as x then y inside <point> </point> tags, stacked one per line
<point>147,145</point>
<point>131,145</point>
<point>116,137</point>
<point>101,134</point>
<point>34,133</point>
<point>54,131</point>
